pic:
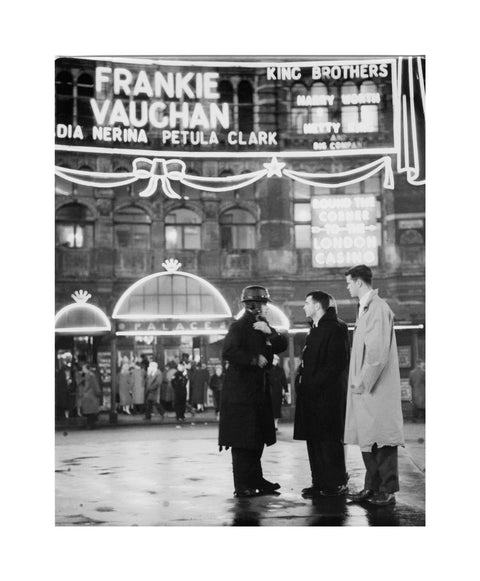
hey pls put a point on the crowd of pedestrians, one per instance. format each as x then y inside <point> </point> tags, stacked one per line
<point>141,388</point>
<point>78,390</point>
<point>181,387</point>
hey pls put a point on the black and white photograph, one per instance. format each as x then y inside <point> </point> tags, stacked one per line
<point>221,297</point>
<point>240,290</point>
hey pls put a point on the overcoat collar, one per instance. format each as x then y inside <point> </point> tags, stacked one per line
<point>330,315</point>
<point>372,295</point>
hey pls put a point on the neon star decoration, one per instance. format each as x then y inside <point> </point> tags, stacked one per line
<point>274,168</point>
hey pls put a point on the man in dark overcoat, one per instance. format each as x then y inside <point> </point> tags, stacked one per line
<point>321,386</point>
<point>246,420</point>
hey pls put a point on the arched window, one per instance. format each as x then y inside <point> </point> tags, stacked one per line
<point>85,92</point>
<point>360,107</point>
<point>299,110</point>
<point>245,106</point>
<point>226,95</point>
<point>349,110</point>
<point>64,97</point>
<point>132,228</point>
<point>369,110</point>
<point>318,113</point>
<point>237,230</point>
<point>74,226</point>
<point>182,230</point>
<point>225,90</point>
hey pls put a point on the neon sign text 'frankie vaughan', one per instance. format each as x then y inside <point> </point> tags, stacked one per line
<point>180,87</point>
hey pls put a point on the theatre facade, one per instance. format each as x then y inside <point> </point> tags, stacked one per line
<point>181,180</point>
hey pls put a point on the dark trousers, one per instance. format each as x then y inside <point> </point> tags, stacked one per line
<point>247,467</point>
<point>149,408</point>
<point>382,469</point>
<point>216,399</point>
<point>180,403</point>
<point>327,463</point>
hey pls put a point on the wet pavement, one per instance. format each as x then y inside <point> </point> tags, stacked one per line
<point>164,475</point>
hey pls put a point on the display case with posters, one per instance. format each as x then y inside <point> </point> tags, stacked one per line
<point>406,389</point>
<point>104,366</point>
<point>404,356</point>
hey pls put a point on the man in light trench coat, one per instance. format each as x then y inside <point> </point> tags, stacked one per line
<point>374,408</point>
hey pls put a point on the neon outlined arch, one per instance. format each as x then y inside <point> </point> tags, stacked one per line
<point>151,316</point>
<point>107,327</point>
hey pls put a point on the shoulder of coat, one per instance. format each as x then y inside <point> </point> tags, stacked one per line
<point>382,305</point>
<point>235,325</point>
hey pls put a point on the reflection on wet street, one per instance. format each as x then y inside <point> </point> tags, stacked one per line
<point>321,512</point>
<point>162,476</point>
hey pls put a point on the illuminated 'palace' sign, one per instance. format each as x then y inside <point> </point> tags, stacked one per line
<point>213,327</point>
<point>344,230</point>
<point>317,107</point>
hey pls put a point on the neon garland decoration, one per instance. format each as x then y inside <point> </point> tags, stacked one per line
<point>163,172</point>
<point>409,108</point>
<point>348,177</point>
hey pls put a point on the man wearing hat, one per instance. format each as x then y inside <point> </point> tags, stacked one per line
<point>246,416</point>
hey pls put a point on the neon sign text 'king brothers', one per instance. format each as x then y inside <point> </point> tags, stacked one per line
<point>158,113</point>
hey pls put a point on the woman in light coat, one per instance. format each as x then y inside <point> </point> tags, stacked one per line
<point>153,382</point>
<point>125,387</point>
<point>91,393</point>
<point>138,388</point>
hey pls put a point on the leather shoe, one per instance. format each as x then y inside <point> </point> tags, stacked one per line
<point>267,487</point>
<point>338,491</point>
<point>361,496</point>
<point>311,492</point>
<point>382,499</point>
<point>246,493</point>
